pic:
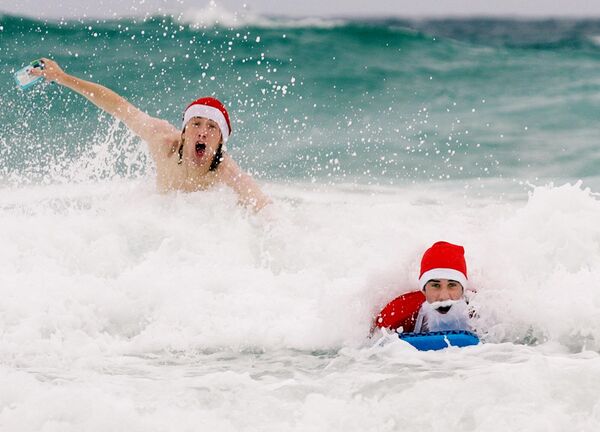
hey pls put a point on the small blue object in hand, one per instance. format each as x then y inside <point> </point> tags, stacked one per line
<point>25,79</point>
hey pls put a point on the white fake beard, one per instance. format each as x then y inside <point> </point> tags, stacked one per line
<point>457,318</point>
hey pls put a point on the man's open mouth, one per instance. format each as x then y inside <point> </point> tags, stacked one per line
<point>443,309</point>
<point>200,149</point>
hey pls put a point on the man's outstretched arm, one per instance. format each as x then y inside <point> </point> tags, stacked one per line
<point>150,129</point>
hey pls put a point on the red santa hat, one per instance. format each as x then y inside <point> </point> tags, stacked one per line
<point>212,109</point>
<point>444,260</point>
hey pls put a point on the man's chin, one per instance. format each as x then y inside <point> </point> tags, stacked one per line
<point>446,315</point>
<point>200,160</point>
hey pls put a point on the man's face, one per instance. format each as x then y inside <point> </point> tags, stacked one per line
<point>442,289</point>
<point>202,137</point>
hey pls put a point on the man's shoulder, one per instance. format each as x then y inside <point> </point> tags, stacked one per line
<point>401,312</point>
<point>162,132</point>
<point>163,145</point>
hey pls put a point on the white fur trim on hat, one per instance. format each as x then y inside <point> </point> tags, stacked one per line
<point>443,273</point>
<point>208,112</point>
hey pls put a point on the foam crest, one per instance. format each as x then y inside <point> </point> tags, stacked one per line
<point>538,267</point>
<point>595,39</point>
<point>215,15</point>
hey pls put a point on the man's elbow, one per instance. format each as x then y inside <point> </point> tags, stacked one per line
<point>254,202</point>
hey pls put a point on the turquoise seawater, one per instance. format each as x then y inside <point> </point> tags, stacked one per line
<point>378,102</point>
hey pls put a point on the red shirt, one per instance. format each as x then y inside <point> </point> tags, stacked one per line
<point>401,312</point>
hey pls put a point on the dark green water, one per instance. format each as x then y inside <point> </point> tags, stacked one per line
<point>368,101</point>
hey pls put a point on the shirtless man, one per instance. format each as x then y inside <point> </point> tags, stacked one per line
<point>188,159</point>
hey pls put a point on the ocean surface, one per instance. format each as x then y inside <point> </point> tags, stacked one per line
<point>125,309</point>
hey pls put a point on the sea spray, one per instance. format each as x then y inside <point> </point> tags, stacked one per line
<point>377,102</point>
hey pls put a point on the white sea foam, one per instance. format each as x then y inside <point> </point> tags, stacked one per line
<point>595,39</point>
<point>328,259</point>
<point>124,309</point>
<point>214,14</point>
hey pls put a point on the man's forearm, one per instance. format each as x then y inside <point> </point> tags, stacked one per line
<point>103,97</point>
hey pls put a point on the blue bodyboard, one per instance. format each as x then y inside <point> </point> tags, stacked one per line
<point>439,340</point>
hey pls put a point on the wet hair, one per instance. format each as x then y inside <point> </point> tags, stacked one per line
<point>217,159</point>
